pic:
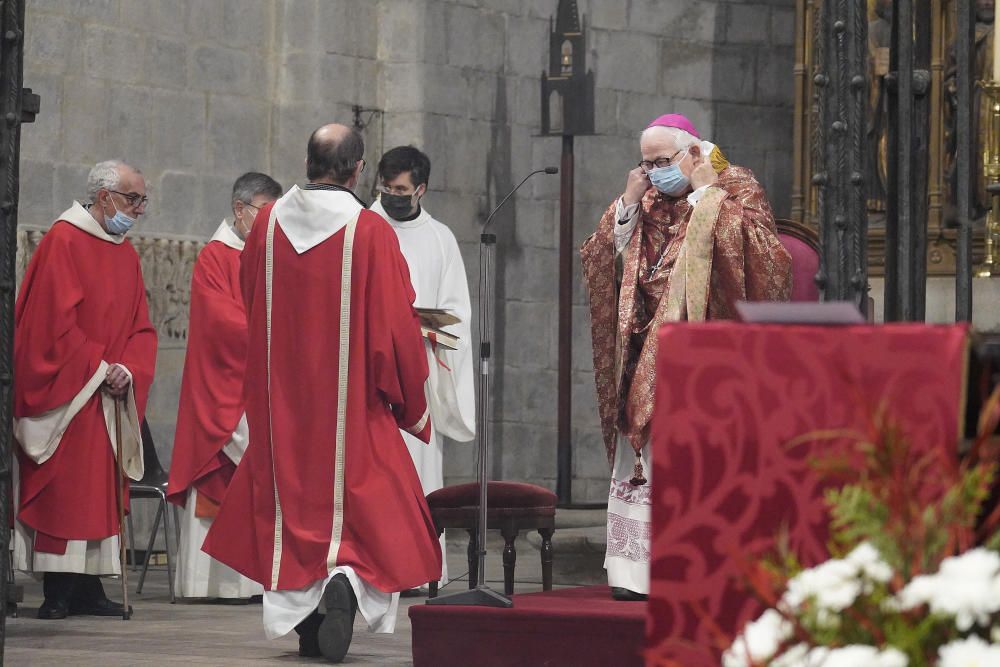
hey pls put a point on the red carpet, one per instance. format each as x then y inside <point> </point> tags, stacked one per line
<point>571,627</point>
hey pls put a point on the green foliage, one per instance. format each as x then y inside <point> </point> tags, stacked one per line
<point>915,508</point>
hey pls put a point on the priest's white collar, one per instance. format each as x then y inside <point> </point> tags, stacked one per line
<point>226,235</point>
<point>422,219</point>
<point>80,217</point>
<point>309,217</point>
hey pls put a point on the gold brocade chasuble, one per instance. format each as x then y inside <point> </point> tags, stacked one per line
<point>681,263</point>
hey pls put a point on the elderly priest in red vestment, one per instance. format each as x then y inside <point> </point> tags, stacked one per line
<point>212,431</point>
<point>82,341</point>
<point>325,509</point>
<point>691,236</point>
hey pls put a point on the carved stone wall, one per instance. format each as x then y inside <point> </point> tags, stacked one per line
<point>167,264</point>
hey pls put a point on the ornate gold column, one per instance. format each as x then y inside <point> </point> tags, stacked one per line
<point>991,163</point>
<point>801,179</point>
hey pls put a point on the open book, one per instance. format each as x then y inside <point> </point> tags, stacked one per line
<point>431,322</point>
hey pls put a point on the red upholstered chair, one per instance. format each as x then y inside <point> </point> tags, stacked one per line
<point>511,507</point>
<point>802,244</point>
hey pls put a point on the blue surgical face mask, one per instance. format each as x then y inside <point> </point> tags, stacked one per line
<point>670,180</point>
<point>119,223</point>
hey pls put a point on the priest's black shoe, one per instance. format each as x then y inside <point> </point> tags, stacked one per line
<point>625,595</point>
<point>100,607</point>
<point>308,637</point>
<point>337,629</point>
<point>53,610</point>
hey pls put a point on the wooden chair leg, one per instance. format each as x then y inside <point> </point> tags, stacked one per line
<point>509,558</point>
<point>432,586</point>
<point>546,534</point>
<point>473,555</point>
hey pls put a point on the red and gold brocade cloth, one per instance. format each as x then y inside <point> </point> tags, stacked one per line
<point>731,397</point>
<point>738,256</point>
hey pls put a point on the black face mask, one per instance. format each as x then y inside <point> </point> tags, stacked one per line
<point>397,206</point>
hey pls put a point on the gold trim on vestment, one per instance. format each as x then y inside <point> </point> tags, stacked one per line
<point>687,293</point>
<point>421,423</point>
<point>268,278</point>
<point>343,370</point>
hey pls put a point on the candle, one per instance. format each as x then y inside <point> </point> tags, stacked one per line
<point>996,42</point>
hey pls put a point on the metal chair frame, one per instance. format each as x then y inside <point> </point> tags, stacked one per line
<point>153,486</point>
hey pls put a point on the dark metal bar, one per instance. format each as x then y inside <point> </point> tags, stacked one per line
<point>856,95</point>
<point>892,201</point>
<point>841,93</point>
<point>564,451</point>
<point>837,142</point>
<point>921,147</point>
<point>907,246</point>
<point>11,97</point>
<point>964,40</point>
<point>825,173</point>
<point>826,278</point>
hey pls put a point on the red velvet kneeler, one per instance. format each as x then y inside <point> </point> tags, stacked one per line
<point>570,627</point>
<point>729,398</point>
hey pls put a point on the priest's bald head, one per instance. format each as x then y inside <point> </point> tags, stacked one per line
<point>117,194</point>
<point>335,155</point>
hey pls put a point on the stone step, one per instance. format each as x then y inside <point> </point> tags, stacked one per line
<point>581,518</point>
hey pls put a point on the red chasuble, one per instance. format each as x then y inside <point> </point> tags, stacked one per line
<point>335,367</point>
<point>82,302</point>
<point>211,402</point>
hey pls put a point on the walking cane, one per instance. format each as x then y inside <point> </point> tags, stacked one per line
<point>126,611</point>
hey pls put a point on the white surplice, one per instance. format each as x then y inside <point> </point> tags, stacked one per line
<point>439,280</point>
<point>629,521</point>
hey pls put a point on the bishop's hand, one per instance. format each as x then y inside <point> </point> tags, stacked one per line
<point>703,173</point>
<point>117,381</point>
<point>636,187</point>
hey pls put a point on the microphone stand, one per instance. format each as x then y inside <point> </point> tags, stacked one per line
<point>482,595</point>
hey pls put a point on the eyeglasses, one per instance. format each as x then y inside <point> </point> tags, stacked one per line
<point>394,190</point>
<point>363,165</point>
<point>660,162</point>
<point>134,199</point>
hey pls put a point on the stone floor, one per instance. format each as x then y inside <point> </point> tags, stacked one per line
<point>208,634</point>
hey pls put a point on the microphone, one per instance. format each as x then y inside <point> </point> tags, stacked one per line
<point>544,170</point>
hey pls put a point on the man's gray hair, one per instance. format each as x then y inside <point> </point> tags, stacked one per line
<point>105,176</point>
<point>682,139</point>
<point>253,183</point>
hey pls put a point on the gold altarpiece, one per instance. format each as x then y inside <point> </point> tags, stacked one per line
<point>941,234</point>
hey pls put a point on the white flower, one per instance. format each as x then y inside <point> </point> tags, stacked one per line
<point>854,656</point>
<point>966,587</point>
<point>796,656</point>
<point>834,585</point>
<point>837,583</point>
<point>760,640</point>
<point>869,562</point>
<point>970,652</point>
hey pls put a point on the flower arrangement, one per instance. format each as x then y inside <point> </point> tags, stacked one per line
<point>916,577</point>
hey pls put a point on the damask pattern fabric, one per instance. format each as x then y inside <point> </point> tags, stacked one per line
<point>729,400</point>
